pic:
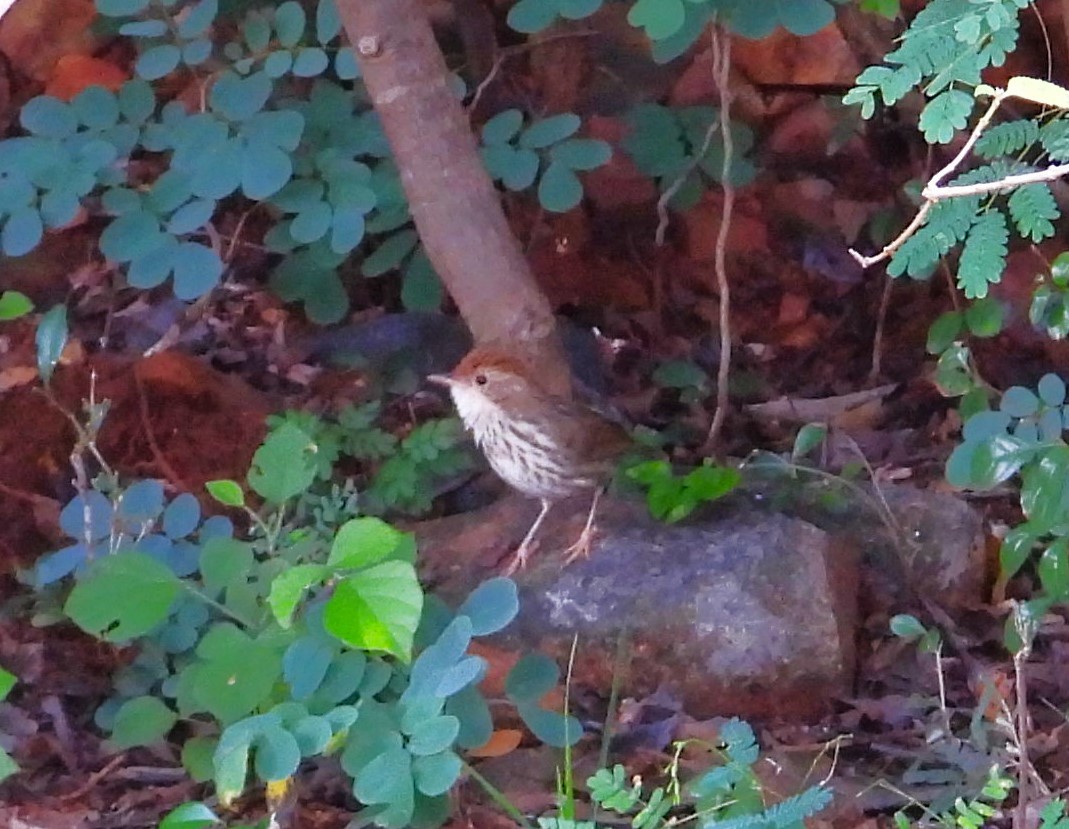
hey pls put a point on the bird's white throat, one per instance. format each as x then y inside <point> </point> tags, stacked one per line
<point>479,414</point>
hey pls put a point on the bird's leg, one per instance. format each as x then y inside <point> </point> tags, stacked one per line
<point>581,548</point>
<point>519,560</point>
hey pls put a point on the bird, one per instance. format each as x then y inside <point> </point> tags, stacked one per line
<point>544,445</point>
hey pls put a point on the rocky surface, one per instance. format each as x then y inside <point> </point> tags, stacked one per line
<point>736,611</point>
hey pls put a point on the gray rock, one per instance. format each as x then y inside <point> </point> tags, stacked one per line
<point>943,548</point>
<point>737,612</point>
<point>936,548</point>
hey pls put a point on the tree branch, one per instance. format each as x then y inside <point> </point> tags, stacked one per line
<point>454,204</point>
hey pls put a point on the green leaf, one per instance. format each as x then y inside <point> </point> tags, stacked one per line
<point>1033,210</point>
<point>191,216</point>
<point>48,117</point>
<point>905,626</point>
<point>390,253</point>
<point>226,492</point>
<point>310,62</point>
<point>984,317</point>
<point>985,465</point>
<point>237,98</point>
<point>387,780</point>
<point>196,19</point>
<point>1059,270</point>
<point>1051,389</point>
<point>300,277</point>
<point>196,52</point>
<point>345,65</point>
<point>96,107</point>
<point>225,561</point>
<point>122,596</point>
<point>581,153</point>
<point>1019,402</point>
<point>22,232</point>
<point>197,270</point>
<point>363,542</point>
<point>290,21</point>
<point>530,16</point>
<point>434,735</point>
<point>158,62</point>
<point>491,606</point>
<point>1015,550</point>
<point>805,17</point>
<point>436,774</point>
<point>121,8</point>
<point>278,63</point>
<point>680,374</point>
<point>284,466</point>
<point>256,31</point>
<point>312,224</point>
<point>551,727</point>
<point>531,678</point>
<point>549,131</point>
<point>944,331</point>
<point>1053,570</point>
<point>328,22</point>
<point>289,587</point>
<point>137,101</point>
<point>131,235</point>
<point>51,339</point>
<point>58,207</point>
<point>299,194</point>
<point>306,662</point>
<point>7,682</point>
<point>13,305</point>
<point>8,766</point>
<point>236,675</point>
<point>421,289</point>
<point>983,255</point>
<point>503,127</point>
<point>377,609</point>
<point>312,734</point>
<point>659,18</point>
<point>944,115</point>
<point>809,437</point>
<point>142,721</point>
<point>265,169</point>
<point>559,190</point>
<point>152,268</point>
<point>190,816</point>
<point>1045,489</point>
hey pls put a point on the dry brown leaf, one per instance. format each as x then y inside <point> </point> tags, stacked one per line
<point>17,376</point>
<point>75,73</point>
<point>501,742</point>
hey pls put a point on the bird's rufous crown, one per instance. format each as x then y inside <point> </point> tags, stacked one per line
<point>483,358</point>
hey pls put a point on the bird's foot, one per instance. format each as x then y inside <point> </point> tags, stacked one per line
<point>519,559</point>
<point>581,548</point>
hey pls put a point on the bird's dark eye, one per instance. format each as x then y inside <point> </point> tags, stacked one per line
<point>480,379</point>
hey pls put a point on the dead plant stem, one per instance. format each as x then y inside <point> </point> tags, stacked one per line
<point>721,44</point>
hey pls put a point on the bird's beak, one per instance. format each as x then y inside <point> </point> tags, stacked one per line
<point>441,379</point>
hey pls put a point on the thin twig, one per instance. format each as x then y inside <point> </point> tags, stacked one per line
<point>94,779</point>
<point>877,340</point>
<point>722,68</point>
<point>1026,629</point>
<point>934,191</point>
<point>512,51</point>
<point>150,436</point>
<point>673,188</point>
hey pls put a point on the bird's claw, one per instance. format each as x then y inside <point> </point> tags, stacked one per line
<point>581,548</point>
<point>519,560</point>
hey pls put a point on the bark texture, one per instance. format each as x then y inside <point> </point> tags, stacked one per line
<point>453,202</point>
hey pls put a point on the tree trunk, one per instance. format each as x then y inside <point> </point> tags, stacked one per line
<point>454,204</point>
